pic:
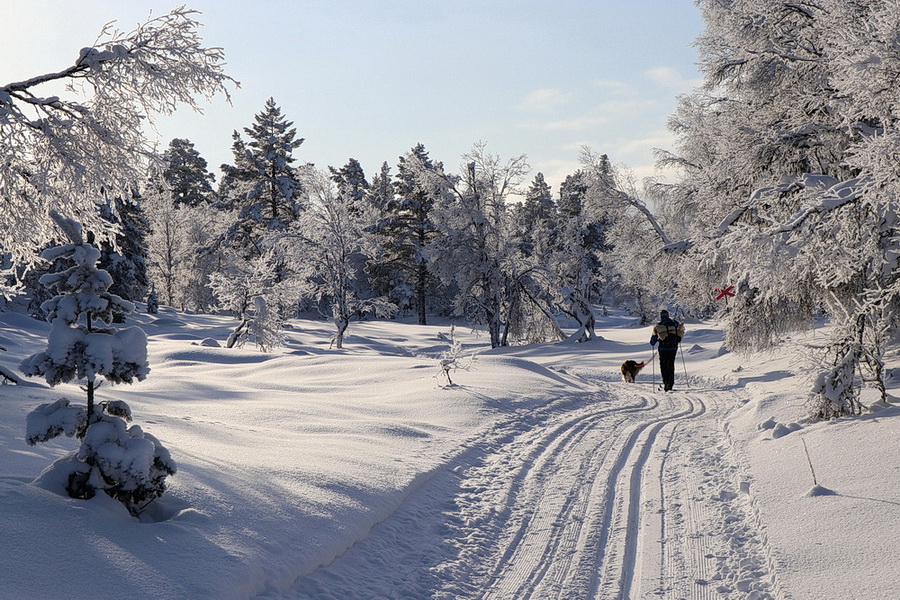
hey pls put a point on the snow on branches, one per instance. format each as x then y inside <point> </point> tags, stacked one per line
<point>124,462</point>
<point>61,153</point>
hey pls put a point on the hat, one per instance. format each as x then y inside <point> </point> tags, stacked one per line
<point>664,314</point>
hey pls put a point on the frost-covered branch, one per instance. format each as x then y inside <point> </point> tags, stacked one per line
<point>64,152</point>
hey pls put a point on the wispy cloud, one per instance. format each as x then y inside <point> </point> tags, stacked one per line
<point>670,78</point>
<point>578,123</point>
<point>600,115</point>
<point>619,88</point>
<point>654,139</point>
<point>545,99</point>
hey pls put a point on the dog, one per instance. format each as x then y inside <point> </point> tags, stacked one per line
<point>630,369</point>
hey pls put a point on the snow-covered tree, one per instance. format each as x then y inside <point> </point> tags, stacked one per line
<point>255,291</point>
<point>475,243</point>
<point>453,358</point>
<point>152,302</point>
<point>125,256</point>
<point>405,231</point>
<point>351,182</point>
<point>625,243</point>
<point>262,185</point>
<point>789,160</point>
<point>381,190</point>
<point>326,242</point>
<point>575,259</point>
<point>537,219</point>
<point>178,231</point>
<point>64,151</point>
<point>124,462</point>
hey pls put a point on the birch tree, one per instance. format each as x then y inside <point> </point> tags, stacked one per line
<point>326,243</point>
<point>474,241</point>
<point>790,159</point>
<point>77,134</point>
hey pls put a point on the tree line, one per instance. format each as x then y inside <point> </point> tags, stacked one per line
<point>277,236</point>
<point>787,162</point>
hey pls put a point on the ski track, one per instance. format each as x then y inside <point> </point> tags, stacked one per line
<point>622,493</point>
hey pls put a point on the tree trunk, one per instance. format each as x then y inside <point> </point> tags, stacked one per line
<point>421,280</point>
<point>341,323</point>
<point>90,383</point>
<point>90,399</point>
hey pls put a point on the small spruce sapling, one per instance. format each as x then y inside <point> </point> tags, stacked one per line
<point>152,302</point>
<point>124,462</point>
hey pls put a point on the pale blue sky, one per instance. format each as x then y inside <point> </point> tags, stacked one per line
<point>369,79</point>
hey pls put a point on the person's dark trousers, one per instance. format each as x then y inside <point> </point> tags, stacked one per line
<point>667,367</point>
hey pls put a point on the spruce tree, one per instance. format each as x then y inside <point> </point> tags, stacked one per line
<point>408,229</point>
<point>126,261</point>
<point>537,218</point>
<point>124,462</point>
<point>186,173</point>
<point>262,185</point>
<point>351,183</point>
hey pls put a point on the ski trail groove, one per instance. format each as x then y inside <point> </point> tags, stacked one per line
<point>562,541</point>
<point>619,537</point>
<point>619,493</point>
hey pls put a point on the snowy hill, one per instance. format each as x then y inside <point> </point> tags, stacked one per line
<point>359,473</point>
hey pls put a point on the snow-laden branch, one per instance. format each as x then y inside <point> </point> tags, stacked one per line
<point>65,153</point>
<point>834,197</point>
<point>828,194</point>
<point>630,200</point>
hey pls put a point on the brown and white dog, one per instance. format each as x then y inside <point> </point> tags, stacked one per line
<point>630,369</point>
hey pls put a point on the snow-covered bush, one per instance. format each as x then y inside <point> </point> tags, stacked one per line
<point>252,291</point>
<point>259,324</point>
<point>452,358</point>
<point>126,463</point>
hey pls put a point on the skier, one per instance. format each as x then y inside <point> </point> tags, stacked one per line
<point>668,333</point>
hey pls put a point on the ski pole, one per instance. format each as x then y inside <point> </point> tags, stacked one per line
<point>684,366</point>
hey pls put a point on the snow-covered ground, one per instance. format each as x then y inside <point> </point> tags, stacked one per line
<point>359,473</point>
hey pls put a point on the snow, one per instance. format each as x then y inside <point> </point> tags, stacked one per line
<point>309,472</point>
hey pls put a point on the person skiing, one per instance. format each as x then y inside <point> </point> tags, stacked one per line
<point>668,333</point>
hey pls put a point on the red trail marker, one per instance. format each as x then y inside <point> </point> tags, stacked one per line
<point>729,291</point>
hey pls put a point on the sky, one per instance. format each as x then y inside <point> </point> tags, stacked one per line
<point>370,79</point>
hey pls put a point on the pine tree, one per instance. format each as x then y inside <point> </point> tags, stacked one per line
<point>185,171</point>
<point>125,463</point>
<point>126,261</point>
<point>262,185</point>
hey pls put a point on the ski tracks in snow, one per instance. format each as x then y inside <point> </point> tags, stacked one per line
<point>623,493</point>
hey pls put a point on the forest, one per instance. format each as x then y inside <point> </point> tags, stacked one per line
<point>787,159</point>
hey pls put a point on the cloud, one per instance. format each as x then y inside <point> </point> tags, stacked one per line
<point>600,115</point>
<point>555,171</point>
<point>670,78</point>
<point>545,99</point>
<point>654,139</point>
<point>575,123</point>
<point>619,88</point>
